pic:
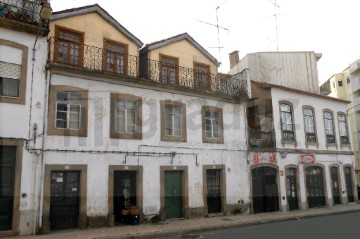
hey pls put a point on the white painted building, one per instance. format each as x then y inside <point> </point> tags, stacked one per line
<point>157,130</point>
<point>300,149</point>
<point>23,55</point>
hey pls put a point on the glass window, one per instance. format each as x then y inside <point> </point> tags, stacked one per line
<point>168,70</point>
<point>201,77</point>
<point>9,87</point>
<point>329,127</point>
<point>286,122</point>
<point>212,124</point>
<point>68,47</point>
<point>115,57</point>
<point>68,110</point>
<point>309,125</point>
<point>344,138</point>
<point>125,116</point>
<point>173,120</point>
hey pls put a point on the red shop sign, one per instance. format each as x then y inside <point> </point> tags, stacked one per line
<point>307,159</point>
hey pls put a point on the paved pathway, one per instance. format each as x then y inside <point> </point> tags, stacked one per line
<point>177,227</point>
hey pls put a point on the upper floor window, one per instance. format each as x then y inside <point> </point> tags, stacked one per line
<point>169,69</point>
<point>310,133</point>
<point>68,46</point>
<point>201,76</point>
<point>212,125</point>
<point>329,127</point>
<point>173,121</point>
<point>126,113</point>
<point>13,70</point>
<point>67,111</point>
<point>116,57</point>
<point>9,79</point>
<point>340,83</point>
<point>344,138</point>
<point>287,122</point>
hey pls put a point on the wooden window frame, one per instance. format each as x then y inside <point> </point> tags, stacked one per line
<point>126,52</point>
<point>316,143</point>
<point>287,141</point>
<point>333,127</point>
<point>51,129</point>
<point>176,59</point>
<point>59,29</point>
<point>208,81</point>
<point>138,131</point>
<point>21,99</point>
<point>347,129</point>
<point>219,140</point>
<point>164,136</point>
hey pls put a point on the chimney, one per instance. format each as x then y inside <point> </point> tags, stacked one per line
<point>234,58</point>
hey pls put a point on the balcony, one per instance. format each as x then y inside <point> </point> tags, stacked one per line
<point>22,15</point>
<point>261,141</point>
<point>90,58</point>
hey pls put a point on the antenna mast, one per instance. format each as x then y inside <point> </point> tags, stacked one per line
<point>276,14</point>
<point>218,27</point>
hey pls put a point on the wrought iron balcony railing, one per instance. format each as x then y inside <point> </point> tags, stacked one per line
<point>97,59</point>
<point>261,140</point>
<point>25,11</point>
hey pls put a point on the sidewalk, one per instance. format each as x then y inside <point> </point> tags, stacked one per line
<point>186,226</point>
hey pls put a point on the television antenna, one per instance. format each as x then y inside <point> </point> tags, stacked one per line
<point>276,14</point>
<point>218,27</point>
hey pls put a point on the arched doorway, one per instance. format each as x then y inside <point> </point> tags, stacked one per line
<point>349,183</point>
<point>291,188</point>
<point>315,186</point>
<point>335,185</point>
<point>265,189</point>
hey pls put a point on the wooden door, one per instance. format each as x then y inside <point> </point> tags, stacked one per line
<point>173,194</point>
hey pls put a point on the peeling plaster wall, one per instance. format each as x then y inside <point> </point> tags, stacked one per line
<point>232,154</point>
<point>14,120</point>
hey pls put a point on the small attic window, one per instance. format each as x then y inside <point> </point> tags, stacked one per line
<point>340,83</point>
<point>333,84</point>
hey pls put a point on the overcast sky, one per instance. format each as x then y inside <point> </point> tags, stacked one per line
<point>328,27</point>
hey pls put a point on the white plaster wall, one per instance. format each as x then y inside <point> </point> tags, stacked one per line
<point>232,154</point>
<point>14,119</point>
<point>319,104</point>
<point>325,160</point>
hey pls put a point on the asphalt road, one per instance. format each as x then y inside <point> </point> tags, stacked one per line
<point>341,226</point>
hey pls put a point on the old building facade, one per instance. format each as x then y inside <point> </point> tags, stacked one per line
<point>156,128</point>
<point>23,51</point>
<point>300,149</point>
<point>99,125</point>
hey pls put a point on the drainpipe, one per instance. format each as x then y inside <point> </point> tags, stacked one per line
<point>40,189</point>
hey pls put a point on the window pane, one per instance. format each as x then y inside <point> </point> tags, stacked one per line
<point>177,122</point>
<point>62,107</point>
<point>177,132</point>
<point>60,124</point>
<point>9,87</point>
<point>74,116</point>
<point>75,98</point>
<point>74,125</point>
<point>61,96</point>
<point>61,115</point>
<point>168,109</point>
